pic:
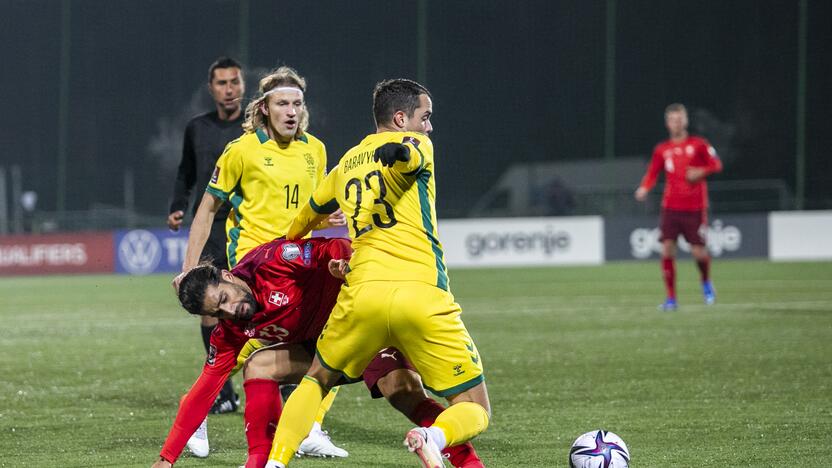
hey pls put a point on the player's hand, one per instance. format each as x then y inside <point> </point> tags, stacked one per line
<point>389,153</point>
<point>175,220</point>
<point>694,174</point>
<point>641,194</point>
<point>337,219</point>
<point>176,280</point>
<point>339,268</point>
<point>161,463</point>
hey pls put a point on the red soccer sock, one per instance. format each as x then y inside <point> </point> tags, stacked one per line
<point>461,456</point>
<point>669,274</point>
<point>263,407</point>
<point>704,268</point>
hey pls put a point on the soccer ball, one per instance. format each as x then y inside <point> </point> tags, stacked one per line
<point>599,449</point>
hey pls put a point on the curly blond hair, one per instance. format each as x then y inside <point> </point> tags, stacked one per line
<point>283,76</point>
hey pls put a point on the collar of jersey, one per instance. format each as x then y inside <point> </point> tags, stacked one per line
<point>264,137</point>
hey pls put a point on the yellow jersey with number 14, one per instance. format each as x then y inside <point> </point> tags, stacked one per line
<point>391,213</point>
<point>266,184</point>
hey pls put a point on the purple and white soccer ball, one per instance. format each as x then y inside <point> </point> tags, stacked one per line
<point>599,449</point>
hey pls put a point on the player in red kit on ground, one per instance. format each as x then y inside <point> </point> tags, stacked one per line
<point>281,295</point>
<point>686,160</point>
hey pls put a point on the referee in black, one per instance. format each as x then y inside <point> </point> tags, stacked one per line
<point>205,138</point>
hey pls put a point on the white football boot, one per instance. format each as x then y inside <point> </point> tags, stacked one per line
<point>318,444</point>
<point>198,443</point>
<point>419,442</point>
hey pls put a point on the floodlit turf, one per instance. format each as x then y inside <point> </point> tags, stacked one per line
<point>91,369</point>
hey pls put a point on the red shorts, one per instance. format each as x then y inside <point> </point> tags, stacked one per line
<point>691,224</point>
<point>386,361</point>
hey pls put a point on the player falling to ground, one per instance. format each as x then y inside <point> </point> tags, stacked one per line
<point>265,174</point>
<point>281,295</point>
<point>396,291</point>
<point>687,160</point>
<point>205,138</point>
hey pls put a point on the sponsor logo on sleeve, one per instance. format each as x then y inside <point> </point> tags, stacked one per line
<point>307,253</point>
<point>289,251</point>
<point>712,152</point>
<point>212,355</point>
<point>216,175</point>
<point>409,139</point>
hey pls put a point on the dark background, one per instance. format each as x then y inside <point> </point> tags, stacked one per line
<point>512,82</point>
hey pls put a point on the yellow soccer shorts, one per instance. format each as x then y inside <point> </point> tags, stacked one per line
<point>421,320</point>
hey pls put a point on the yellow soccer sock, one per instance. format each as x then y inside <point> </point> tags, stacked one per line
<point>296,420</point>
<point>326,404</point>
<point>461,422</point>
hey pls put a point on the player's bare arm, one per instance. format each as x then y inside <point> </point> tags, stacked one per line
<point>641,194</point>
<point>305,221</point>
<point>200,229</point>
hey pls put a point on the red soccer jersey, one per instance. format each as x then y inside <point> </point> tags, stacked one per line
<point>675,158</point>
<point>295,294</point>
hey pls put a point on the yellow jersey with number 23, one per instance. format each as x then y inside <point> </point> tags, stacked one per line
<point>391,213</point>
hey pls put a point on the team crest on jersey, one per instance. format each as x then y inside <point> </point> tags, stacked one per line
<point>212,355</point>
<point>689,150</point>
<point>411,140</point>
<point>216,175</point>
<point>289,251</point>
<point>310,161</point>
<point>278,298</point>
<point>307,253</point>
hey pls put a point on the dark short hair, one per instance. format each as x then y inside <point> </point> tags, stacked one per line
<point>391,96</point>
<point>222,62</point>
<point>193,285</point>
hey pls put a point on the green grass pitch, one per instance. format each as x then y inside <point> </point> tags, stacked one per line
<point>91,369</point>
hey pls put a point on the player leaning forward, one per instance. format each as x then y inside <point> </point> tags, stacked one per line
<point>397,287</point>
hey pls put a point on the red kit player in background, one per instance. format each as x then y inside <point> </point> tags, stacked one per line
<point>686,160</point>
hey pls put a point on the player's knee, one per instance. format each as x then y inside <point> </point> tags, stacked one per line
<point>478,394</point>
<point>400,383</point>
<point>403,390</point>
<point>326,378</point>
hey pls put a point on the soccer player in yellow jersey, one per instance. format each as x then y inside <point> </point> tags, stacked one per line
<point>396,291</point>
<point>266,174</point>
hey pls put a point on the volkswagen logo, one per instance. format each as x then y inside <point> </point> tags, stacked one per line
<point>139,251</point>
